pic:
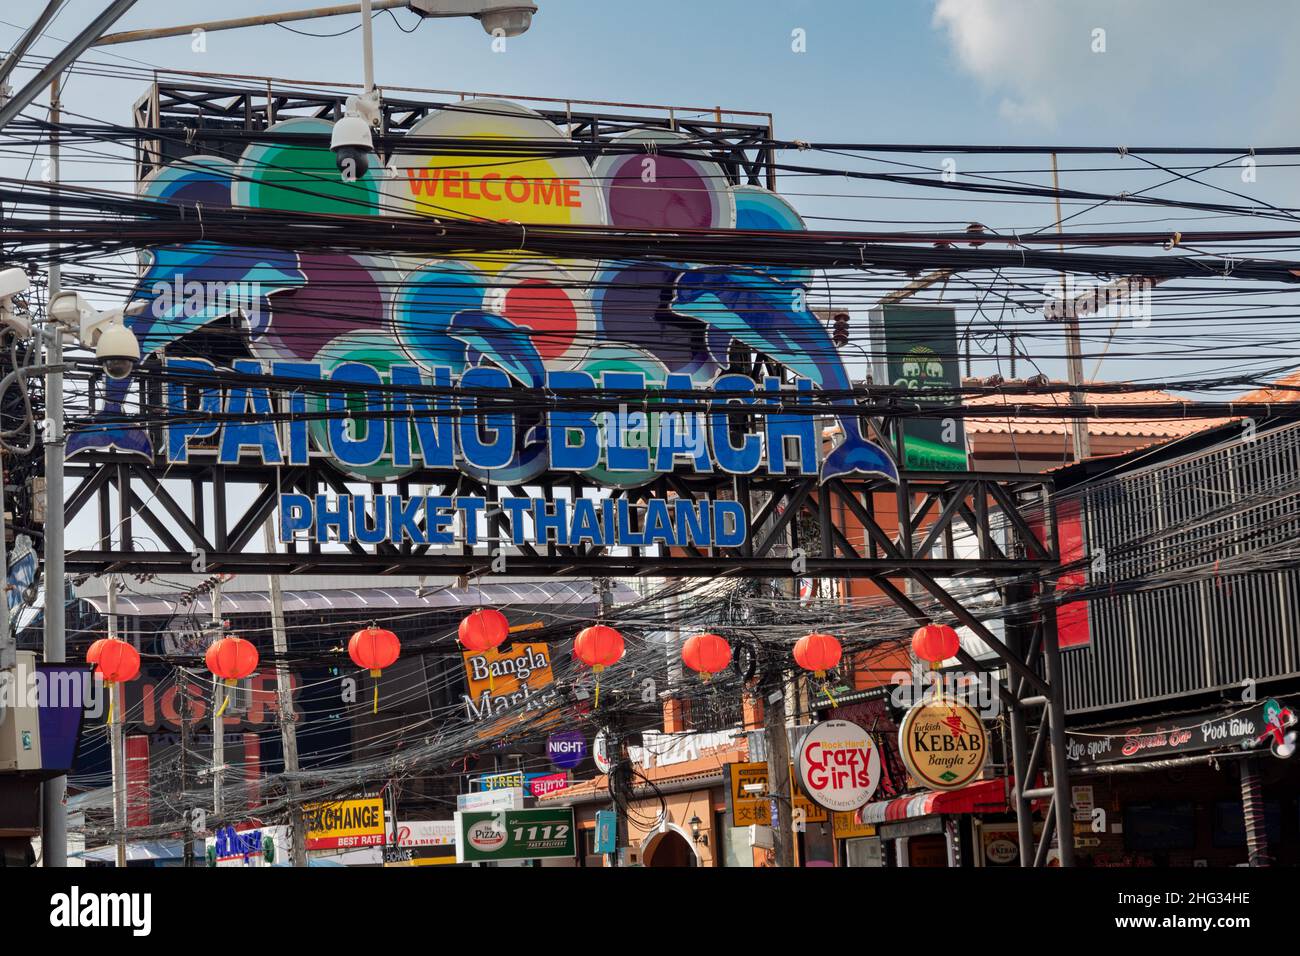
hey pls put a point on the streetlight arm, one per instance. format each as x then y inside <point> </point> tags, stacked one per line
<point>266,19</point>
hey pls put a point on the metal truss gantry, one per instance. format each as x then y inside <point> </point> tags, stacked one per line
<point>845,528</point>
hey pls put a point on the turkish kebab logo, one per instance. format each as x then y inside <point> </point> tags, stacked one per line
<point>839,765</point>
<point>943,743</point>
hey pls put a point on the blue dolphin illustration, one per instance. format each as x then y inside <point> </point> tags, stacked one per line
<point>183,289</point>
<point>758,311</point>
<point>488,336</point>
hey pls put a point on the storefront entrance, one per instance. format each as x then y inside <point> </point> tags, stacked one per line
<point>669,849</point>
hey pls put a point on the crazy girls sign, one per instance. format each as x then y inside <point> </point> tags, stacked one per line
<point>448,357</point>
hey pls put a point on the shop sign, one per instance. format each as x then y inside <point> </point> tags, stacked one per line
<point>502,679</point>
<point>600,752</point>
<point>567,749</point>
<point>606,832</point>
<point>839,765</point>
<point>231,847</point>
<point>420,833</point>
<point>511,780</point>
<point>943,743</point>
<point>1172,737</point>
<point>1082,799</point>
<point>514,835</point>
<point>508,798</point>
<point>754,807</point>
<point>346,824</point>
<point>845,826</point>
<point>539,785</point>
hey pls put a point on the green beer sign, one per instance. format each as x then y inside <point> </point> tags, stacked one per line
<point>485,837</point>
<point>919,349</point>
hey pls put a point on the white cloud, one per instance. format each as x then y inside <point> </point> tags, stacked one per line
<point>1037,58</point>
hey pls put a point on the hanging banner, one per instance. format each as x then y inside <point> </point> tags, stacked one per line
<point>839,765</point>
<point>943,743</point>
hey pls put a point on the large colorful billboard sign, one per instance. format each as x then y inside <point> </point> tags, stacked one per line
<point>506,322</point>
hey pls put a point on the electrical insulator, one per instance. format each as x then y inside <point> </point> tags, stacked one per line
<point>840,329</point>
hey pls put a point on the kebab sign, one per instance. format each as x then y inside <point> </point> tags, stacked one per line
<point>943,743</point>
<point>839,765</point>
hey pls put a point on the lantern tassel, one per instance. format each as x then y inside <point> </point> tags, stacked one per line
<point>376,706</point>
<point>111,695</point>
<point>225,701</point>
<point>826,689</point>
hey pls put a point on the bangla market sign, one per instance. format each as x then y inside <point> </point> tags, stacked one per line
<point>420,342</point>
<point>514,677</point>
<point>839,765</point>
<point>943,743</point>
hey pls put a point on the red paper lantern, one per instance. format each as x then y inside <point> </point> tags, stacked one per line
<point>817,653</point>
<point>374,649</point>
<point>93,652</point>
<point>598,646</point>
<point>118,661</point>
<point>231,658</point>
<point>707,654</point>
<point>483,629</point>
<point>935,643</point>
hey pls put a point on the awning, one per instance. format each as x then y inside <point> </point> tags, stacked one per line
<point>379,599</point>
<point>147,850</point>
<point>987,796</point>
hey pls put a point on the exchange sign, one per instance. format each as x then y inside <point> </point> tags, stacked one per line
<point>345,824</point>
<point>839,765</point>
<point>515,835</point>
<point>943,743</point>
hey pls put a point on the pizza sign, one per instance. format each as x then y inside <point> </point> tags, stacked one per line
<point>839,765</point>
<point>943,743</point>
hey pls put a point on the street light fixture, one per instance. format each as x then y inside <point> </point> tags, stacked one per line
<point>696,835</point>
<point>507,18</point>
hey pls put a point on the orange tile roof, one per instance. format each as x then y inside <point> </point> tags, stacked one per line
<point>1153,429</point>
<point>1285,389</point>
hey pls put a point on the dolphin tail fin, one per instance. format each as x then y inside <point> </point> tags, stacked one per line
<point>858,456</point>
<point>127,438</point>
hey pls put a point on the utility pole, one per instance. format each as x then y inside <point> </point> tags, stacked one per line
<point>184,709</point>
<point>54,824</point>
<point>116,735</point>
<point>773,691</point>
<point>218,719</point>
<point>620,777</point>
<point>1074,357</point>
<point>284,705</point>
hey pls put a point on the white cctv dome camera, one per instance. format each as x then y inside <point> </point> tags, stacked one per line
<point>352,144</point>
<point>13,282</point>
<point>117,349</point>
<point>508,20</point>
